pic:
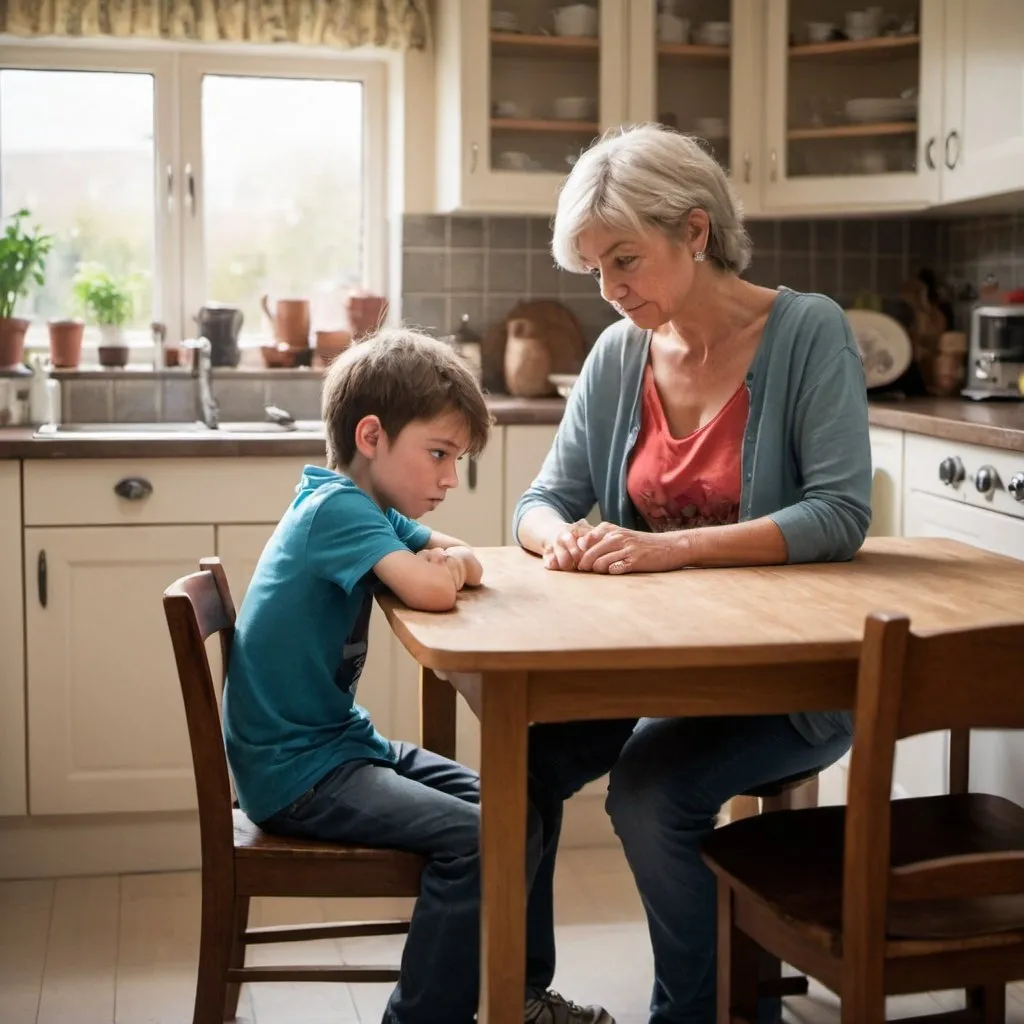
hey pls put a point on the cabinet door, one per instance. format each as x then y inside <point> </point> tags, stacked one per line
<point>854,122</point>
<point>713,89</point>
<point>240,547</point>
<point>106,724</point>
<point>983,149</point>
<point>472,512</point>
<point>526,447</point>
<point>12,651</point>
<point>517,102</point>
<point>886,483</point>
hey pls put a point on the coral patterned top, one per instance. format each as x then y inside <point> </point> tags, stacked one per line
<point>678,483</point>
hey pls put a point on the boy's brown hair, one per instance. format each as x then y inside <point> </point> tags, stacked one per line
<point>398,375</point>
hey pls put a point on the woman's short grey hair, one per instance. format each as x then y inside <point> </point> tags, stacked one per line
<point>635,179</point>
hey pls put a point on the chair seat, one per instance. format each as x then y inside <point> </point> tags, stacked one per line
<point>263,860</point>
<point>792,862</point>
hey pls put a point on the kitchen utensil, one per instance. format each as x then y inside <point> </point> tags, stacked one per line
<point>884,345</point>
<point>527,360</point>
<point>289,320</point>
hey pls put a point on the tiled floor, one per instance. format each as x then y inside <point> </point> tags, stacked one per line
<point>98,950</point>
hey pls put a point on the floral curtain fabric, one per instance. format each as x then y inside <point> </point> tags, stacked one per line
<point>399,24</point>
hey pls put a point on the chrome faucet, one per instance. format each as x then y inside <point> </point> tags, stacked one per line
<point>202,370</point>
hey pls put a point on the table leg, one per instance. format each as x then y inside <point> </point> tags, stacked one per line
<point>503,725</point>
<point>437,714</point>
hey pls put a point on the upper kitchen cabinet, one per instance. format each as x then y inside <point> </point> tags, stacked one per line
<point>697,65</point>
<point>982,150</point>
<point>853,117</point>
<point>522,87</point>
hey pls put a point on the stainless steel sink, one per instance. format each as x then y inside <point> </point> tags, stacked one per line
<point>100,430</point>
<point>120,429</point>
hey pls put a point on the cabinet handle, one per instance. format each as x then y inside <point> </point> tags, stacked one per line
<point>954,134</point>
<point>774,173</point>
<point>747,165</point>
<point>190,187</point>
<point>474,153</point>
<point>471,474</point>
<point>41,578</point>
<point>170,189</point>
<point>929,153</point>
<point>133,488</point>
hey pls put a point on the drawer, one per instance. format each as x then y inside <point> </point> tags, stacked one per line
<point>171,491</point>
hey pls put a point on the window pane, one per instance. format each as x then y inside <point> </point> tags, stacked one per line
<point>282,191</point>
<point>76,148</point>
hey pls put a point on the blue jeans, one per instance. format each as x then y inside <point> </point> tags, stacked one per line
<point>429,805</point>
<point>669,777</point>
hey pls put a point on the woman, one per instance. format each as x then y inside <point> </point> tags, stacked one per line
<point>718,424</point>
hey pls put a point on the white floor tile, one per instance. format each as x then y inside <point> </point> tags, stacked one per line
<point>25,911</point>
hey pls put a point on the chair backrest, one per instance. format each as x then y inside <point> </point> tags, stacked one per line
<point>906,685</point>
<point>198,606</point>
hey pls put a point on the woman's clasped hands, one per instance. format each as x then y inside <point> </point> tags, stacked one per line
<point>610,549</point>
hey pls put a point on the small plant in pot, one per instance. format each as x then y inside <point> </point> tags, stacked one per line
<point>106,300</point>
<point>23,253</point>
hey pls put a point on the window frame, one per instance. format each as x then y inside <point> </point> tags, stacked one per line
<point>177,70</point>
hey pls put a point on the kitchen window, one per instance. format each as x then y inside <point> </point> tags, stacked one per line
<point>198,176</point>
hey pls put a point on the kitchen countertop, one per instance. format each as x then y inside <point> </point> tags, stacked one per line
<point>992,424</point>
<point>20,442</point>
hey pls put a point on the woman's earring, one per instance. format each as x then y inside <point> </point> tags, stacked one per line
<point>699,256</point>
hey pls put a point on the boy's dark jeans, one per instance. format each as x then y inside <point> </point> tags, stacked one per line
<point>428,805</point>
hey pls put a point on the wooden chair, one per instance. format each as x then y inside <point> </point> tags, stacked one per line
<point>882,898</point>
<point>239,860</point>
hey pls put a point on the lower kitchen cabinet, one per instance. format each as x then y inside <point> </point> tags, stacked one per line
<point>106,727</point>
<point>12,646</point>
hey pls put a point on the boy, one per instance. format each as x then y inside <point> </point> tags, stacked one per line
<point>399,410</point>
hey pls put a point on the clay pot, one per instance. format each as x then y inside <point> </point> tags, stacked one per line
<point>290,320</point>
<point>527,361</point>
<point>330,345</point>
<point>66,343</point>
<point>366,313</point>
<point>113,355</point>
<point>12,341</point>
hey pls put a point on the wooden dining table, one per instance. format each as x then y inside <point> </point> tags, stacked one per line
<point>537,646</point>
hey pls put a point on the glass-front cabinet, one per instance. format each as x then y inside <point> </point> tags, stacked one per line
<point>696,65</point>
<point>524,87</point>
<point>853,104</point>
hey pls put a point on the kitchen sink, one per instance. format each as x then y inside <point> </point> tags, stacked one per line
<point>196,427</point>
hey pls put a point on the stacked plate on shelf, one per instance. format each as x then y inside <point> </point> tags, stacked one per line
<point>883,108</point>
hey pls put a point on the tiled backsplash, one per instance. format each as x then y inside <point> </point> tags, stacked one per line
<point>483,266</point>
<point>129,396</point>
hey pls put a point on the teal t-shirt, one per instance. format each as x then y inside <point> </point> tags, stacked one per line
<point>290,714</point>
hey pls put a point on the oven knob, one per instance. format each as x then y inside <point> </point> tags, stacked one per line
<point>985,480</point>
<point>1016,486</point>
<point>951,471</point>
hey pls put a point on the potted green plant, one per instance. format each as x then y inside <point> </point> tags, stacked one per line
<point>106,300</point>
<point>23,252</point>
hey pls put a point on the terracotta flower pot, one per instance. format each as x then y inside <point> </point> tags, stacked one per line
<point>12,341</point>
<point>66,343</point>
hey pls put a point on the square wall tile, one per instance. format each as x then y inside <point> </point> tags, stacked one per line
<point>424,271</point>
<point>88,401</point>
<point>135,401</point>
<point>424,231</point>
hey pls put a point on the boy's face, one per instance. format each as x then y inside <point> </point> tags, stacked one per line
<point>413,472</point>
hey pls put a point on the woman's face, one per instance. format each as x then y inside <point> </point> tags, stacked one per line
<point>646,277</point>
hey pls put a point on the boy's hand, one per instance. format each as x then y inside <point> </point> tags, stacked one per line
<point>456,567</point>
<point>433,555</point>
<point>473,571</point>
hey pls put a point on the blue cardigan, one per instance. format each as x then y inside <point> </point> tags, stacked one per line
<point>806,460</point>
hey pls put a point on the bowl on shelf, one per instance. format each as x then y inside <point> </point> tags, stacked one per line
<point>714,33</point>
<point>820,31</point>
<point>575,20</point>
<point>507,109</point>
<point>574,108</point>
<point>711,127</point>
<point>563,382</point>
<point>504,21</point>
